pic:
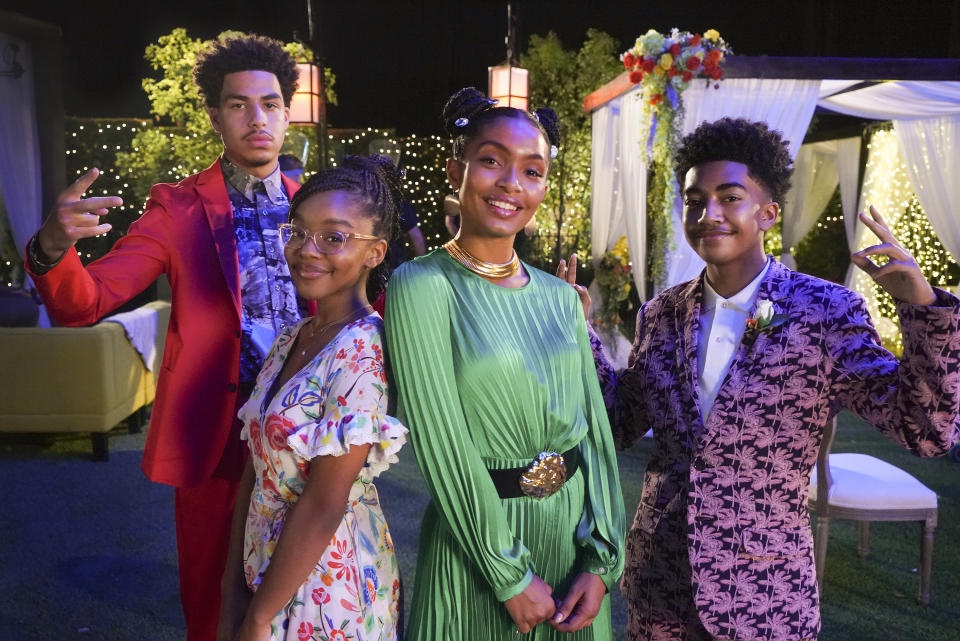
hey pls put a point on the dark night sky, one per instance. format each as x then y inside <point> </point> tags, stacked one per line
<point>397,60</point>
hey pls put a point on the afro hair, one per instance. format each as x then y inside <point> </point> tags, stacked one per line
<point>761,149</point>
<point>243,53</point>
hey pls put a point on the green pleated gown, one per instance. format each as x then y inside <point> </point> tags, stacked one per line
<point>488,377</point>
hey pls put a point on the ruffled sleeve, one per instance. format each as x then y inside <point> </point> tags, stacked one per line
<point>344,402</point>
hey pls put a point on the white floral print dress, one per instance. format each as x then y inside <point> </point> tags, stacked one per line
<point>338,400</point>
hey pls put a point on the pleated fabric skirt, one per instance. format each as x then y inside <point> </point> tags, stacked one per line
<point>451,600</point>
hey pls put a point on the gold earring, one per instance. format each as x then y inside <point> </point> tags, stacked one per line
<point>451,205</point>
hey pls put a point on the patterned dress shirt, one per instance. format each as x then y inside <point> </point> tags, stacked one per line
<point>268,297</point>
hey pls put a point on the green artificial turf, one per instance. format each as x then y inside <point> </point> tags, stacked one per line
<point>97,539</point>
<point>870,599</point>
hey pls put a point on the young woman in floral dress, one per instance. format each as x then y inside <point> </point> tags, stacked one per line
<point>311,557</point>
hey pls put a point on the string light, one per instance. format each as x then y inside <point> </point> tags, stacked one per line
<point>423,159</point>
<point>96,142</point>
<point>887,186</point>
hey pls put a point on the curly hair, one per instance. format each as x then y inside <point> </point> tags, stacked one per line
<point>243,53</point>
<point>472,109</point>
<point>377,184</point>
<point>761,149</point>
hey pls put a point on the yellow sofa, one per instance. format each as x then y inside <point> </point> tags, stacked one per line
<point>75,379</point>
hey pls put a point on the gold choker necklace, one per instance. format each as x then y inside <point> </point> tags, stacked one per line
<point>482,267</point>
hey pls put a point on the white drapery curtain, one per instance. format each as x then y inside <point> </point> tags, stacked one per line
<point>20,149</point>
<point>818,169</point>
<point>618,204</point>
<point>901,99</point>
<point>922,158</point>
<point>886,185</point>
<point>926,120</point>
<point>930,148</point>
<point>814,181</point>
<point>848,172</point>
<point>606,212</point>
<point>785,105</point>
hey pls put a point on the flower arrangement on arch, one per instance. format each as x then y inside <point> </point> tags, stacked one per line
<point>664,66</point>
<point>614,280</point>
<point>656,60</point>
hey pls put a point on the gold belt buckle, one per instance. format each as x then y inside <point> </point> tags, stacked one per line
<point>545,475</point>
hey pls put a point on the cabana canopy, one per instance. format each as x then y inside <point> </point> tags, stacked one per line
<point>919,96</point>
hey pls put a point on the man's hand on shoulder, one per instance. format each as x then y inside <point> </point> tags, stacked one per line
<point>900,276</point>
<point>74,217</point>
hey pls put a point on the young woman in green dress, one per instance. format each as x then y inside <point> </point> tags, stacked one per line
<point>495,380</point>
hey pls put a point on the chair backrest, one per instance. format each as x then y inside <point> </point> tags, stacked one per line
<point>824,479</point>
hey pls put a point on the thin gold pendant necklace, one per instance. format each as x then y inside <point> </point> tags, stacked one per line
<point>482,267</point>
<point>342,320</point>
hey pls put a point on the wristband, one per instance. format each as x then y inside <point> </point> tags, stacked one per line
<point>36,259</point>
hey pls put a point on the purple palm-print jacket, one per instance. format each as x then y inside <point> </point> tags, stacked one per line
<point>722,527</point>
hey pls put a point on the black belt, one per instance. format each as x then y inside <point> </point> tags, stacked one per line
<point>508,481</point>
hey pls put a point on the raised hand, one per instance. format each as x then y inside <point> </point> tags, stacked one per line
<point>75,217</point>
<point>900,276</point>
<point>531,607</point>
<point>569,274</point>
<point>578,609</point>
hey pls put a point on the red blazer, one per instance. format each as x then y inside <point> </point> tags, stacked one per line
<point>187,233</point>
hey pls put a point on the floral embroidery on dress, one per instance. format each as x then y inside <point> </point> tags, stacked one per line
<point>338,400</point>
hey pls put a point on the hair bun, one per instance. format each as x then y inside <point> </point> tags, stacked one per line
<point>467,103</point>
<point>381,167</point>
<point>550,122</point>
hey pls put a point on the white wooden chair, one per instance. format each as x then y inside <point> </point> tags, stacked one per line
<point>864,488</point>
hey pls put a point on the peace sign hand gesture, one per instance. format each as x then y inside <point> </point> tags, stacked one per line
<point>568,272</point>
<point>75,217</point>
<point>901,276</point>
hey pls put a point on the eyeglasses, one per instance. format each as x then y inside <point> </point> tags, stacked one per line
<point>327,242</point>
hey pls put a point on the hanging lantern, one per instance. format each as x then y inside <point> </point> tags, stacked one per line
<point>305,106</point>
<point>508,84</point>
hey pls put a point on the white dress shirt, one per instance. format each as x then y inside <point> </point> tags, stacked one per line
<point>722,322</point>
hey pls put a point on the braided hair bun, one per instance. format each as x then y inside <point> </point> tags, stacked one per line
<point>550,123</point>
<point>469,109</point>
<point>465,105</point>
<point>377,184</point>
<point>385,184</point>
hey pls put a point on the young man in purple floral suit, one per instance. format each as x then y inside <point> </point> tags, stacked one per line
<point>737,372</point>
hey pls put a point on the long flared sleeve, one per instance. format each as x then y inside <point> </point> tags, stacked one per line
<point>602,527</point>
<point>915,400</point>
<point>421,357</point>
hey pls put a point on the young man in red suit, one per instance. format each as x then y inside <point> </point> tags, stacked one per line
<point>737,372</point>
<point>215,236</point>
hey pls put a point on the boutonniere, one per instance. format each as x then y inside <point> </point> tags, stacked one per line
<point>765,316</point>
